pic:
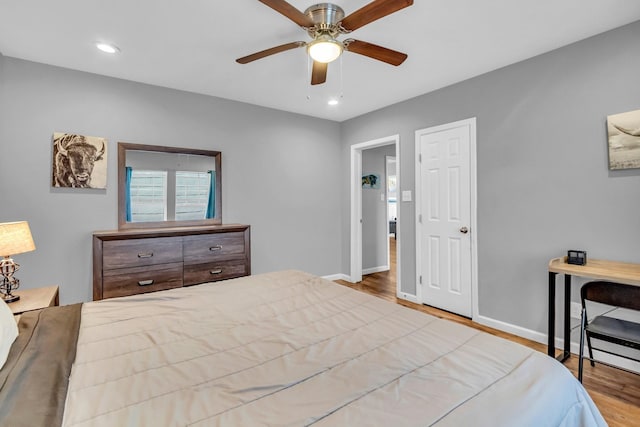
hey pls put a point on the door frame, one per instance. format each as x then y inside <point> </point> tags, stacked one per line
<point>471,125</point>
<point>356,205</point>
<point>387,160</point>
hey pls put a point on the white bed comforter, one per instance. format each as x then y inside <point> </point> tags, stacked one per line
<point>292,349</point>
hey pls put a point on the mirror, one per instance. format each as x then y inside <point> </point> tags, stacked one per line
<point>168,186</point>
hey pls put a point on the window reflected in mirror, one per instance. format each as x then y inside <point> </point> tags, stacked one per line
<point>194,198</point>
<point>150,197</point>
<point>147,199</point>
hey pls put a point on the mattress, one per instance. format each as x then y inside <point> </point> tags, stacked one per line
<point>293,349</point>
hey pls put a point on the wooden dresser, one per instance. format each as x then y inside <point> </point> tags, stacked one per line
<point>128,262</point>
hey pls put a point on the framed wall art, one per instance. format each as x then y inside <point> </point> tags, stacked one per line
<point>624,140</point>
<point>79,161</point>
<point>370,181</point>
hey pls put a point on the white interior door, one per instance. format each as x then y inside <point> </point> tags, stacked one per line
<point>443,193</point>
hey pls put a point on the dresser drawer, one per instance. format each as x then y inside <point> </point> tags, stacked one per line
<point>131,281</point>
<point>210,272</point>
<point>213,247</point>
<point>141,252</point>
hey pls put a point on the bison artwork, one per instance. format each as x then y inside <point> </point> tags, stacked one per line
<point>79,161</point>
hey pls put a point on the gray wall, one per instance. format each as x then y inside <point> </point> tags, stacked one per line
<point>374,210</point>
<point>543,179</point>
<point>541,130</point>
<point>280,172</point>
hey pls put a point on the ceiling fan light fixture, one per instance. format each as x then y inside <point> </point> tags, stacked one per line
<point>325,49</point>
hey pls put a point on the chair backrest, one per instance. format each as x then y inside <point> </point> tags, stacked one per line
<point>611,293</point>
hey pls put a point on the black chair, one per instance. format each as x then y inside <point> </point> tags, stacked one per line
<point>605,328</point>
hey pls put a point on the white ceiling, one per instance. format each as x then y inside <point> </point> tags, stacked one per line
<point>192,45</point>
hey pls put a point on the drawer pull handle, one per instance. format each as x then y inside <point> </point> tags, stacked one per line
<point>145,255</point>
<point>217,271</point>
<point>145,282</point>
<point>215,248</point>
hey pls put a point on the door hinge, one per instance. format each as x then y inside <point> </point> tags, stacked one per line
<point>421,279</point>
<point>420,218</point>
<point>419,158</point>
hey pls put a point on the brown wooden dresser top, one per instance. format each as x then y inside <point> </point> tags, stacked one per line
<point>172,231</point>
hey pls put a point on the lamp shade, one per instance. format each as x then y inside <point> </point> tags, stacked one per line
<point>325,49</point>
<point>15,238</point>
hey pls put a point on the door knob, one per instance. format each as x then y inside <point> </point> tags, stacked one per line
<point>464,230</point>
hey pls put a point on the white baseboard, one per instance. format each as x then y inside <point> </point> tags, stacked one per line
<point>375,269</point>
<point>513,329</point>
<point>338,276</point>
<point>542,338</point>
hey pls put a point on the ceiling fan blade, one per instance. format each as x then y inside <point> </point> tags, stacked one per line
<point>373,11</point>
<point>380,53</point>
<point>289,11</point>
<point>268,52</point>
<point>319,73</point>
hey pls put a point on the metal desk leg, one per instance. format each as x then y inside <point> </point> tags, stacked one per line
<point>551,346</point>
<point>567,317</point>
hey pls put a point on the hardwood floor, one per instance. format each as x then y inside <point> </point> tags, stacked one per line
<point>616,393</point>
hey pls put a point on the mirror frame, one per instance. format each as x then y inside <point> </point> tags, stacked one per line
<point>123,147</point>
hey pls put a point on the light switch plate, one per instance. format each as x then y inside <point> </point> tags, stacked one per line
<point>406,195</point>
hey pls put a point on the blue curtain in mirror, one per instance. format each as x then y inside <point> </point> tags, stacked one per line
<point>127,192</point>
<point>211,206</point>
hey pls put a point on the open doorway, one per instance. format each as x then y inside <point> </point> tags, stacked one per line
<point>376,223</point>
<point>372,249</point>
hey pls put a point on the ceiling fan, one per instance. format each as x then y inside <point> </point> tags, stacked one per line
<point>324,22</point>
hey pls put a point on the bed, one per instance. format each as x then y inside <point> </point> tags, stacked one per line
<point>277,349</point>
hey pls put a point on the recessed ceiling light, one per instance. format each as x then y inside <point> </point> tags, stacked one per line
<point>333,101</point>
<point>108,48</point>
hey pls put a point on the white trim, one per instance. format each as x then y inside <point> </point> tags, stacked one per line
<point>339,276</point>
<point>473,189</point>
<point>512,329</point>
<point>473,173</point>
<point>541,338</point>
<point>387,160</point>
<point>356,215</point>
<point>356,206</point>
<point>377,269</point>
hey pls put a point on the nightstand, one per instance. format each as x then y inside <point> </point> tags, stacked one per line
<point>34,299</point>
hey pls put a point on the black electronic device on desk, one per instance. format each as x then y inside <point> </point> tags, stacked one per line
<point>576,257</point>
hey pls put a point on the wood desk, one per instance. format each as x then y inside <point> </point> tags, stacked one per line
<point>595,269</point>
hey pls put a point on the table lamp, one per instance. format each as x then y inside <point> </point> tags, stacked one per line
<point>15,238</point>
